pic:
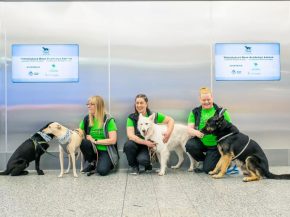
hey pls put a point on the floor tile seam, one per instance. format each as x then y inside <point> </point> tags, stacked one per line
<point>157,202</point>
<point>125,191</point>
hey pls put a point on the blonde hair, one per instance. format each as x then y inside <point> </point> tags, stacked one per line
<point>100,110</point>
<point>204,90</point>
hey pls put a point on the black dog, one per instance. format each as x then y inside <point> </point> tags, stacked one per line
<point>234,145</point>
<point>28,151</point>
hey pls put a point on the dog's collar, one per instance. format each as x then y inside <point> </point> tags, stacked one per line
<point>225,137</point>
<point>46,137</point>
<point>37,143</point>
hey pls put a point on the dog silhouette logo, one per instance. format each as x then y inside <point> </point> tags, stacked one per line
<point>248,49</point>
<point>45,50</point>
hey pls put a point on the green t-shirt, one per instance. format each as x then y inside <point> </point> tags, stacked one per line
<point>98,133</point>
<point>160,119</point>
<point>207,140</point>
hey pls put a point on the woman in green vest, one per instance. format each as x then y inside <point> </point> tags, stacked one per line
<point>95,145</point>
<point>136,148</point>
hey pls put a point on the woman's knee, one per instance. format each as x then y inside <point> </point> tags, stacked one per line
<point>143,160</point>
<point>129,145</point>
<point>85,144</point>
<point>103,171</point>
<point>191,145</point>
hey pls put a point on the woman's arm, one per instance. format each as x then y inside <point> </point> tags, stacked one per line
<point>170,126</point>
<point>110,141</point>
<point>194,132</point>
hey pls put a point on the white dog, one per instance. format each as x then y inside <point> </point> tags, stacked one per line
<point>151,131</point>
<point>69,142</point>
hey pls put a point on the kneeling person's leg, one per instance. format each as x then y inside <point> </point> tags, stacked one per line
<point>143,157</point>
<point>131,151</point>
<point>195,148</point>
<point>104,165</point>
<point>211,159</point>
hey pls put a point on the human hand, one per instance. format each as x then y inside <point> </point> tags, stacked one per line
<point>198,134</point>
<point>166,137</point>
<point>90,138</point>
<point>150,144</point>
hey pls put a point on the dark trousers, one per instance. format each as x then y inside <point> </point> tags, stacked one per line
<point>104,165</point>
<point>209,155</point>
<point>136,154</point>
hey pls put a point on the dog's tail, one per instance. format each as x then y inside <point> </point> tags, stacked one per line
<point>270,175</point>
<point>4,173</point>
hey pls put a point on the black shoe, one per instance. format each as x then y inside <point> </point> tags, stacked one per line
<point>89,168</point>
<point>91,173</point>
<point>148,168</point>
<point>134,171</point>
<point>197,170</point>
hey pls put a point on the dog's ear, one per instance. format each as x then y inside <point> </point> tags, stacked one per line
<point>152,117</point>
<point>221,112</point>
<point>140,115</point>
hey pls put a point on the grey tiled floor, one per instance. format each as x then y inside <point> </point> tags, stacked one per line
<point>179,193</point>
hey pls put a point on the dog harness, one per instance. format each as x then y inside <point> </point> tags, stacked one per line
<point>46,137</point>
<point>225,137</point>
<point>65,140</point>
<point>242,150</point>
<point>234,158</point>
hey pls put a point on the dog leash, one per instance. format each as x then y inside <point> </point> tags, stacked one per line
<point>97,159</point>
<point>153,155</point>
<point>36,143</point>
<point>242,150</point>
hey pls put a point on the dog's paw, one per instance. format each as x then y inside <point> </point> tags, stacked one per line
<point>212,172</point>
<point>60,175</point>
<point>217,176</point>
<point>250,179</point>
<point>190,169</point>
<point>40,172</point>
<point>66,172</point>
<point>161,173</point>
<point>76,175</point>
<point>245,179</point>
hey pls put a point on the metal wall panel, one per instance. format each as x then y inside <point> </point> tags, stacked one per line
<point>162,49</point>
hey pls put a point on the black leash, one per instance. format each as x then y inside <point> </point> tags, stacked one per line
<point>37,143</point>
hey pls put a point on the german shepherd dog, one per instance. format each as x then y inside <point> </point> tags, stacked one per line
<point>28,151</point>
<point>234,145</point>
